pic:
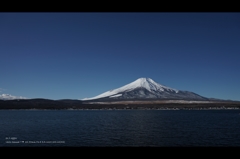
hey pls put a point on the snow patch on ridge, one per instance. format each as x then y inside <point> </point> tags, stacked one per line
<point>117,95</point>
<point>10,97</point>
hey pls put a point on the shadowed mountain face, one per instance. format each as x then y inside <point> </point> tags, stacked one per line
<point>145,89</point>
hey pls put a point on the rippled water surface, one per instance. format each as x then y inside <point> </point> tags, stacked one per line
<point>136,128</point>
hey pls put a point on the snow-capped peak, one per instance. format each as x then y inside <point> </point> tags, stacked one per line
<point>10,97</point>
<point>151,85</point>
<point>146,83</point>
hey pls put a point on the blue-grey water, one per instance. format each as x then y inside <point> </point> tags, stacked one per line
<point>97,128</point>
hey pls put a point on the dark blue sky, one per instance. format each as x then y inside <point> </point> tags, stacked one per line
<point>78,55</point>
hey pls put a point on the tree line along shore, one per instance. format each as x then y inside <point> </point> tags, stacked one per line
<point>75,104</point>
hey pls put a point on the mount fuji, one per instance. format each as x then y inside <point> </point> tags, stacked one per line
<point>146,89</point>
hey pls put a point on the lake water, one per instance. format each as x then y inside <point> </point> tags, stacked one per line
<point>128,128</point>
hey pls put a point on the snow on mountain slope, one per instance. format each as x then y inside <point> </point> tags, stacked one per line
<point>146,83</point>
<point>10,97</point>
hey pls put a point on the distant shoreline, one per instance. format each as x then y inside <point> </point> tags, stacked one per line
<point>234,108</point>
<point>78,105</point>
